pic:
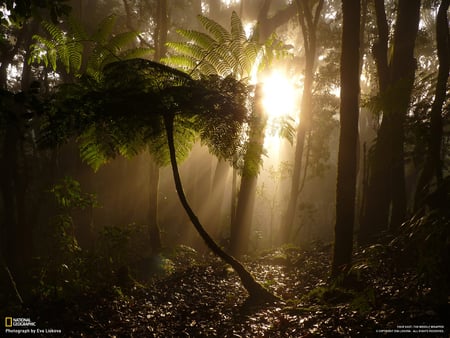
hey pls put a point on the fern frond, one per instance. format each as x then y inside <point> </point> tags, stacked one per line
<point>189,49</point>
<point>120,41</point>
<point>218,31</point>
<point>77,30</point>
<point>237,29</point>
<point>105,29</point>
<point>180,62</point>
<point>137,53</point>
<point>56,33</point>
<point>74,51</point>
<point>198,38</point>
<point>91,151</point>
<point>40,50</point>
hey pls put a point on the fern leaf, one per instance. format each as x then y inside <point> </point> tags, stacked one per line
<point>90,150</point>
<point>198,38</point>
<point>77,29</point>
<point>75,54</point>
<point>219,32</point>
<point>105,29</point>
<point>120,41</point>
<point>56,33</point>
<point>188,49</point>
<point>180,62</point>
<point>237,29</point>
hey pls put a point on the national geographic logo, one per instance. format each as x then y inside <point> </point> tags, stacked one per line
<point>8,321</point>
<point>15,322</point>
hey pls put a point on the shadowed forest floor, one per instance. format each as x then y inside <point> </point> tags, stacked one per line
<point>201,297</point>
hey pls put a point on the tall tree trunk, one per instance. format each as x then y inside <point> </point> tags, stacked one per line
<point>153,225</point>
<point>402,79</point>
<point>386,198</point>
<point>308,23</point>
<point>349,112</point>
<point>433,160</point>
<point>241,229</point>
<point>160,37</point>
<point>255,290</point>
<point>375,214</point>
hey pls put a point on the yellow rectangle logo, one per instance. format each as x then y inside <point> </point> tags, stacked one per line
<point>8,321</point>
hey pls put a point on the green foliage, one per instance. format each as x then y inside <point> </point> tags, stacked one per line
<point>222,52</point>
<point>68,195</point>
<point>124,112</point>
<point>59,265</point>
<point>231,54</point>
<point>74,47</point>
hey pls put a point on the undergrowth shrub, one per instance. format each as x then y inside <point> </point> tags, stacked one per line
<point>60,258</point>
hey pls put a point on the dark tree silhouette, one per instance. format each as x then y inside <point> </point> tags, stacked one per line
<point>386,197</point>
<point>140,102</point>
<point>349,112</point>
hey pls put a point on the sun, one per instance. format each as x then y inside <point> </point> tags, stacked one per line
<point>279,100</point>
<point>279,95</point>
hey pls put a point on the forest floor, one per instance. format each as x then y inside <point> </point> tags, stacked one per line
<point>203,298</point>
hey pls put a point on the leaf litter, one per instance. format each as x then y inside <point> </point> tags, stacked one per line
<point>205,299</point>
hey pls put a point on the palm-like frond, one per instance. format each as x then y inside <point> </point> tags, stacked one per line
<point>222,52</point>
<point>73,46</point>
<point>220,33</point>
<point>124,113</point>
<point>218,52</point>
<point>67,48</point>
<point>104,29</point>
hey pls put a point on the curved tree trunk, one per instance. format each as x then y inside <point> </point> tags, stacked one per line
<point>255,290</point>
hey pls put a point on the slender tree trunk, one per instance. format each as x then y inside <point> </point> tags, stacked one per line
<point>160,38</point>
<point>308,22</point>
<point>433,160</point>
<point>402,79</point>
<point>375,217</point>
<point>153,225</point>
<point>161,29</point>
<point>241,229</point>
<point>347,158</point>
<point>255,290</point>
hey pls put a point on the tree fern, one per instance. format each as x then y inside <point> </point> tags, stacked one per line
<point>123,114</point>
<point>220,51</point>
<point>220,33</point>
<point>74,47</point>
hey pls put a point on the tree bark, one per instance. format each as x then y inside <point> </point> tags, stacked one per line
<point>402,79</point>
<point>254,289</point>
<point>241,229</point>
<point>386,197</point>
<point>347,157</point>
<point>160,36</point>
<point>308,22</point>
<point>153,225</point>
